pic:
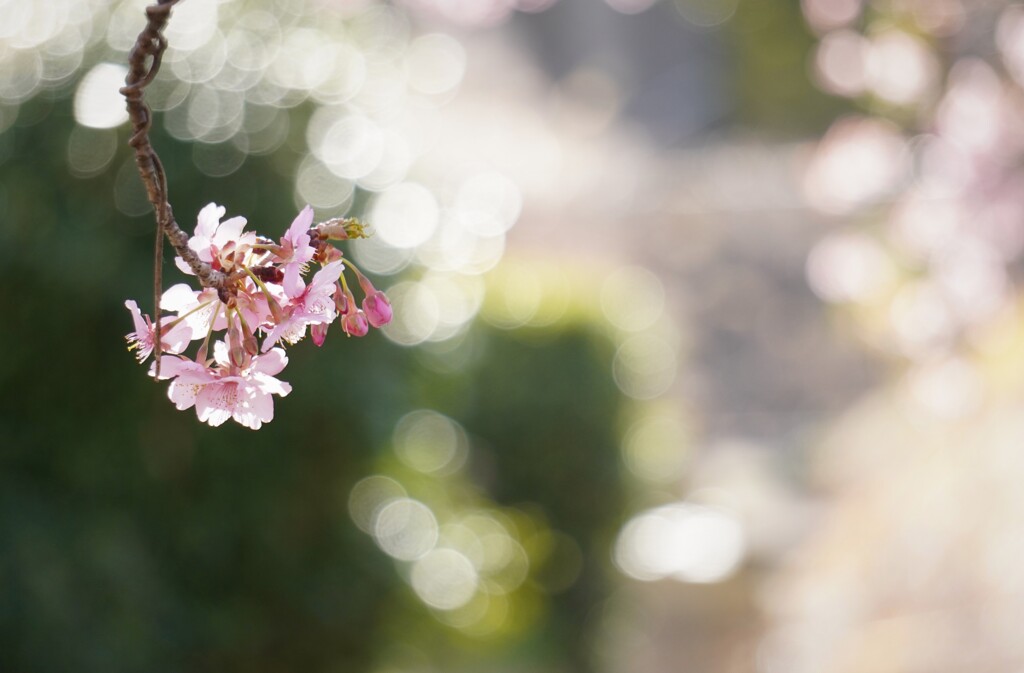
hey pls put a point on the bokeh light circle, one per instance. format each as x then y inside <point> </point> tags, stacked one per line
<point>405,529</point>
<point>406,215</point>
<point>98,104</point>
<point>444,579</point>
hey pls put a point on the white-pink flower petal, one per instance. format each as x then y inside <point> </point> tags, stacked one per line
<point>178,298</point>
<point>216,402</point>
<point>228,231</point>
<point>270,363</point>
<point>292,284</point>
<point>300,226</point>
<point>183,394</point>
<point>140,325</point>
<point>209,220</point>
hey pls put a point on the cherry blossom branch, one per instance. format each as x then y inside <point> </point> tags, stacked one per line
<point>252,285</point>
<point>150,46</point>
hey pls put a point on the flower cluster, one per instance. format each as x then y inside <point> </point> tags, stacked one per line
<point>265,302</point>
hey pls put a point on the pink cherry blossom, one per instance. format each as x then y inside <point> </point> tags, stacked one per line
<point>175,339</point>
<point>195,308</point>
<point>262,294</point>
<point>295,251</point>
<point>226,390</point>
<point>216,242</point>
<point>311,304</point>
<point>295,247</point>
<point>198,308</point>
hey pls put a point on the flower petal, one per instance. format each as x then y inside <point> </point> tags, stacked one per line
<point>326,276</point>
<point>178,298</point>
<point>183,266</point>
<point>300,225</point>
<point>262,404</point>
<point>177,339</point>
<point>229,230</point>
<point>293,285</point>
<point>184,370</point>
<point>140,325</point>
<point>270,363</point>
<point>268,384</point>
<point>216,402</point>
<point>291,329</point>
<point>254,408</point>
<point>221,354</point>
<point>183,394</point>
<point>209,218</point>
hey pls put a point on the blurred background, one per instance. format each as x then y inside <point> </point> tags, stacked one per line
<point>708,350</point>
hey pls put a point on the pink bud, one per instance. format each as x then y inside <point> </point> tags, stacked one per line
<point>275,309</point>
<point>236,348</point>
<point>341,299</point>
<point>237,356</point>
<point>377,308</point>
<point>333,229</point>
<point>250,344</point>
<point>319,332</point>
<point>342,228</point>
<point>354,324</point>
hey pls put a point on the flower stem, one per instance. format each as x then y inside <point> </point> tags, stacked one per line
<point>205,348</point>
<point>174,323</point>
<point>248,340</point>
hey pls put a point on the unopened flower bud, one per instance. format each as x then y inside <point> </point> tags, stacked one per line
<point>342,228</point>
<point>377,308</point>
<point>354,324</point>
<point>236,348</point>
<point>341,299</point>
<point>275,309</point>
<point>237,355</point>
<point>250,344</point>
<point>319,332</point>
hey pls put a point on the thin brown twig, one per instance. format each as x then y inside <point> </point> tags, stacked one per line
<point>143,65</point>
